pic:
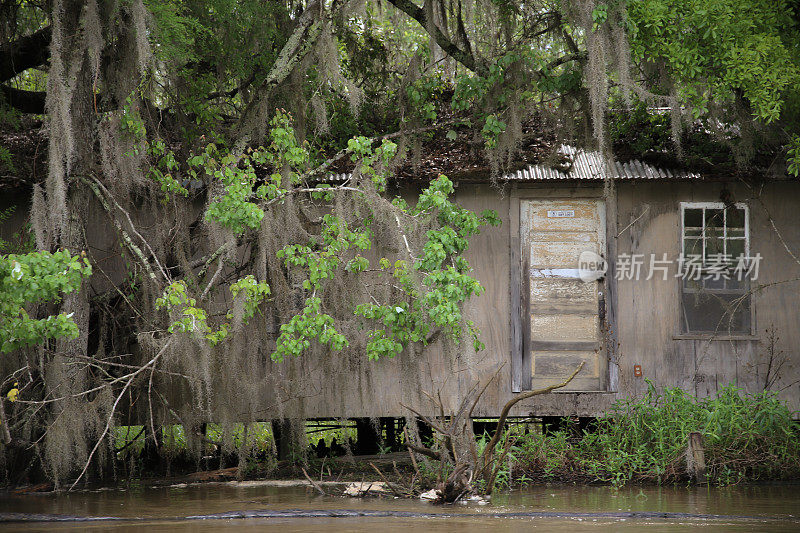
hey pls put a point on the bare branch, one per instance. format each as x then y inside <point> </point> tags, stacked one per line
<point>465,57</point>
<point>132,375</point>
<point>487,452</point>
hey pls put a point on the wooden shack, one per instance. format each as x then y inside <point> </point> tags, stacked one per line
<point>656,312</point>
<point>589,265</point>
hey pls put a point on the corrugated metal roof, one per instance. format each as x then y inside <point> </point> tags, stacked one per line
<point>585,166</point>
<point>592,166</point>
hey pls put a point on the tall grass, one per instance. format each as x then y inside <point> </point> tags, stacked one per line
<point>746,437</point>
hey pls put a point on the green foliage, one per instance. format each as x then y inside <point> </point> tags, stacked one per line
<point>422,96</point>
<point>373,163</point>
<point>193,320</point>
<point>238,208</point>
<point>5,214</point>
<point>640,131</point>
<point>29,279</point>
<point>492,130</point>
<point>793,156</point>
<point>716,48</point>
<point>445,276</point>
<point>510,455</point>
<point>321,262</point>
<point>746,437</point>
<point>6,160</point>
<point>253,292</point>
<point>163,169</point>
<point>310,323</point>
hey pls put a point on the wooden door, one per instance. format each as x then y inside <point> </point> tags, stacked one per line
<point>562,311</point>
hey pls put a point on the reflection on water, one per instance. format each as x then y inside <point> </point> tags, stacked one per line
<point>159,504</point>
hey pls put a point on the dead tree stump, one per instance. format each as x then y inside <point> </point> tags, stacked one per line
<point>696,457</point>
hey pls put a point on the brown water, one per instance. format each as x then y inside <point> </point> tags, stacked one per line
<point>767,508</point>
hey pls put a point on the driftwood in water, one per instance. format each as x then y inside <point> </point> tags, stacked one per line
<point>468,465</point>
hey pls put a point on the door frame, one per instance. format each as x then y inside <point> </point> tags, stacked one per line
<point>520,285</point>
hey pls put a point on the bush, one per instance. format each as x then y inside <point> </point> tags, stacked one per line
<point>746,437</point>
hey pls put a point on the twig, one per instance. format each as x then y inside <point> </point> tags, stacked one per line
<point>4,425</point>
<point>313,483</point>
<point>410,452</point>
<point>125,237</point>
<point>133,228</point>
<point>484,389</point>
<point>150,405</point>
<point>396,471</point>
<point>385,480</point>
<point>646,210</point>
<point>130,442</point>
<point>425,419</point>
<point>342,153</point>
<point>105,431</point>
<point>152,361</point>
<point>212,280</point>
<point>487,452</point>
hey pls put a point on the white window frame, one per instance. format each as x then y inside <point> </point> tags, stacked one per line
<point>715,205</point>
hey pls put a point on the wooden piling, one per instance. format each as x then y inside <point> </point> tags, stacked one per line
<point>696,457</point>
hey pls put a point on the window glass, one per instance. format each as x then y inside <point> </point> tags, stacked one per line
<point>693,218</point>
<point>714,299</point>
<point>735,218</point>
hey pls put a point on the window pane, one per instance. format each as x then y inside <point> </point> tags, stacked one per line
<point>715,218</point>
<point>709,313</point>
<point>693,217</point>
<point>692,232</point>
<point>735,218</point>
<point>734,284</point>
<point>736,232</point>
<point>714,242</point>
<point>692,247</point>
<point>735,248</point>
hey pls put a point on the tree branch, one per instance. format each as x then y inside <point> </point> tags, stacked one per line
<point>152,361</point>
<point>127,238</point>
<point>23,101</point>
<point>299,44</point>
<point>24,53</point>
<point>487,452</point>
<point>465,57</point>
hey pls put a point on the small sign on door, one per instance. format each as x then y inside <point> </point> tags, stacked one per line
<point>561,213</point>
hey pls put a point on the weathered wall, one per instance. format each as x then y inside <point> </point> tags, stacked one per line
<point>649,328</point>
<point>322,384</point>
<point>347,384</point>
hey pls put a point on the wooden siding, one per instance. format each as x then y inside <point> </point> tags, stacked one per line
<point>647,311</point>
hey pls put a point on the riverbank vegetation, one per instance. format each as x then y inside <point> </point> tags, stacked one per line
<point>746,438</point>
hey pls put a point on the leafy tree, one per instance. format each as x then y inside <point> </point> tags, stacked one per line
<point>30,279</point>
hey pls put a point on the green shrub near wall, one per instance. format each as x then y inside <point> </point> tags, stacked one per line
<point>746,437</point>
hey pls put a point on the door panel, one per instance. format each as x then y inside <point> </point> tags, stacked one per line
<point>563,312</point>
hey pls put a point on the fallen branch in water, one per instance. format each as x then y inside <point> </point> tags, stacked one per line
<point>470,466</point>
<point>313,483</point>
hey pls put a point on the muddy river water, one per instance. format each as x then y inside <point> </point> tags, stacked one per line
<point>253,506</point>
